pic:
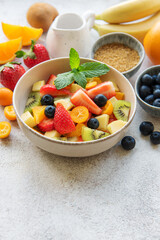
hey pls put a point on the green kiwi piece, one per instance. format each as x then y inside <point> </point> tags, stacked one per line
<point>34,99</point>
<point>89,134</point>
<point>121,110</point>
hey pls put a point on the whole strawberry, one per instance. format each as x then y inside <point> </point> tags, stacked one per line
<point>37,54</point>
<point>10,73</point>
<point>63,122</point>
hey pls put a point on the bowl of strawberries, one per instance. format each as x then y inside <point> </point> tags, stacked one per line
<point>74,107</point>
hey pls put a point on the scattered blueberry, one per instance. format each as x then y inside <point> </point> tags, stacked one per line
<point>149,99</point>
<point>144,91</point>
<point>146,128</point>
<point>47,100</point>
<point>50,111</point>
<point>147,80</point>
<point>158,79</point>
<point>100,100</point>
<point>156,102</point>
<point>156,93</point>
<point>157,86</point>
<point>128,143</point>
<point>93,123</point>
<point>155,137</point>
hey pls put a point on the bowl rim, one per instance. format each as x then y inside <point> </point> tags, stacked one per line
<point>67,142</point>
<point>136,86</point>
<point>123,34</point>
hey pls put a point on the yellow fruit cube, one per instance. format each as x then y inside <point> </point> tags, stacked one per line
<point>38,113</point>
<point>38,85</point>
<point>28,119</point>
<point>119,95</point>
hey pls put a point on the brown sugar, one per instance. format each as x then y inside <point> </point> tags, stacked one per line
<point>118,56</point>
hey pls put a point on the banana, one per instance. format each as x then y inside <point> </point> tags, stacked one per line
<point>129,11</point>
<point>138,30</point>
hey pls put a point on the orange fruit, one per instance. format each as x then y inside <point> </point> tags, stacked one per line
<point>108,108</point>
<point>91,85</point>
<point>79,114</point>
<point>10,113</point>
<point>5,129</point>
<point>119,95</point>
<point>8,50</point>
<point>27,33</point>
<point>77,132</point>
<point>5,96</point>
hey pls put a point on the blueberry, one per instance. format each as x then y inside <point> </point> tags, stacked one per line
<point>156,102</point>
<point>50,111</point>
<point>100,100</point>
<point>157,86</point>
<point>149,99</point>
<point>147,80</point>
<point>93,123</point>
<point>128,143</point>
<point>156,93</point>
<point>47,100</point>
<point>158,79</point>
<point>155,137</point>
<point>146,128</point>
<point>154,77</point>
<point>144,91</point>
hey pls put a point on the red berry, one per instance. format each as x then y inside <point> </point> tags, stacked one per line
<point>53,91</point>
<point>46,125</point>
<point>51,79</point>
<point>10,73</point>
<point>62,120</point>
<point>106,88</point>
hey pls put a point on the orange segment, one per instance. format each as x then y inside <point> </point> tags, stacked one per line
<point>10,113</point>
<point>108,108</point>
<point>79,114</point>
<point>91,85</point>
<point>77,132</point>
<point>27,33</point>
<point>119,95</point>
<point>5,129</point>
<point>8,50</point>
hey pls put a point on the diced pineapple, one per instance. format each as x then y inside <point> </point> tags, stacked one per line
<point>37,85</point>
<point>74,87</point>
<point>65,102</point>
<point>103,121</point>
<point>28,119</point>
<point>113,100</point>
<point>94,79</point>
<point>115,85</point>
<point>115,126</point>
<point>72,139</point>
<point>52,134</point>
<point>38,113</point>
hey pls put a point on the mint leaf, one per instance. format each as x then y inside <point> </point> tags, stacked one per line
<point>93,69</point>
<point>63,80</point>
<point>80,78</point>
<point>74,59</point>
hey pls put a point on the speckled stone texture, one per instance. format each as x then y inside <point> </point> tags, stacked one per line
<point>111,196</point>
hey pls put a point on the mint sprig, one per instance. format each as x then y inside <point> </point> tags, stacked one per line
<point>79,73</point>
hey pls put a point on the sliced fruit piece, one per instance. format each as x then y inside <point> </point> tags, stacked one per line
<point>72,139</point>
<point>103,121</point>
<point>52,134</point>
<point>74,87</point>
<point>60,138</point>
<point>115,85</point>
<point>65,102</point>
<point>113,100</point>
<point>38,113</point>
<point>79,114</point>
<point>80,98</point>
<point>121,110</point>
<point>119,95</point>
<point>53,91</point>
<point>37,85</point>
<point>89,134</point>
<point>5,96</point>
<point>10,113</point>
<point>77,132</point>
<point>28,119</point>
<point>5,129</point>
<point>8,50</point>
<point>51,79</point>
<point>94,79</point>
<point>34,99</point>
<point>106,88</point>
<point>115,126</point>
<point>91,85</point>
<point>108,108</point>
<point>47,124</point>
<point>27,33</point>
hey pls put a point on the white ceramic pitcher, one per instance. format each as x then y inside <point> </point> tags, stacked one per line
<point>70,30</point>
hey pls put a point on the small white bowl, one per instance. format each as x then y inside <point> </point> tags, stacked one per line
<point>69,149</point>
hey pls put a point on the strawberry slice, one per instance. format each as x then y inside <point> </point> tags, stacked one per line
<point>46,125</point>
<point>53,91</point>
<point>51,79</point>
<point>106,88</point>
<point>63,122</point>
<point>80,98</point>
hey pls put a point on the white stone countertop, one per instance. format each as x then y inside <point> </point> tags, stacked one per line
<point>112,196</point>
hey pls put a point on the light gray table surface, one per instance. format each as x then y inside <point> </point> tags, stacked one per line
<point>114,195</point>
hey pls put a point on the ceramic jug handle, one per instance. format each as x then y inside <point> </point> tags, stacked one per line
<point>89,16</point>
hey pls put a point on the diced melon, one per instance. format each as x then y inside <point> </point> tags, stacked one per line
<point>52,134</point>
<point>113,100</point>
<point>38,113</point>
<point>65,102</point>
<point>103,121</point>
<point>72,139</point>
<point>115,85</point>
<point>28,119</point>
<point>37,85</point>
<point>115,126</point>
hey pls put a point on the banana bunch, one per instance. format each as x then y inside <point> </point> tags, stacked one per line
<point>130,11</point>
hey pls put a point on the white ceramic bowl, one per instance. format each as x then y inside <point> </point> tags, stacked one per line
<point>70,149</point>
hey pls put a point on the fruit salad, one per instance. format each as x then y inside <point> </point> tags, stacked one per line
<point>74,113</point>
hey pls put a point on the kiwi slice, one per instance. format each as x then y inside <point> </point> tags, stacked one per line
<point>121,110</point>
<point>34,99</point>
<point>89,134</point>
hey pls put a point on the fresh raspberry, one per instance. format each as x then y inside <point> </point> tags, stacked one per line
<point>63,122</point>
<point>46,125</point>
<point>10,73</point>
